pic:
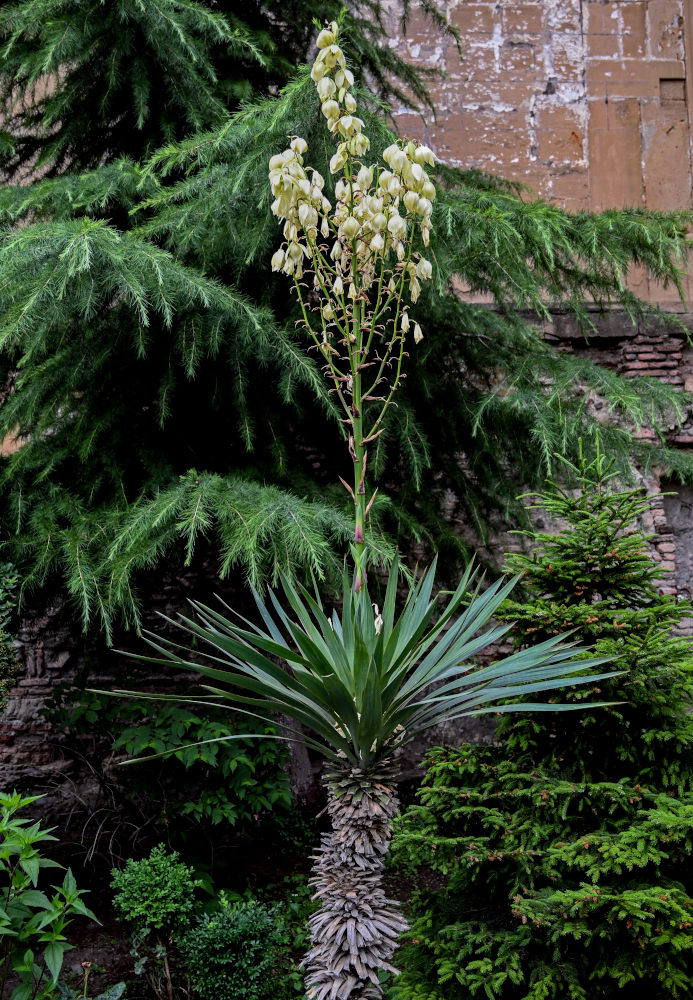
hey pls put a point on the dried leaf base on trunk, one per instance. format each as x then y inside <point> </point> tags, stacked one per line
<point>354,933</point>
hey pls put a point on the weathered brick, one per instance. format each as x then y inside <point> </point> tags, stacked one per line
<point>474,19</point>
<point>637,78</point>
<point>665,28</point>
<point>518,61</point>
<point>523,19</point>
<point>603,46</point>
<point>632,17</point>
<point>619,180</point>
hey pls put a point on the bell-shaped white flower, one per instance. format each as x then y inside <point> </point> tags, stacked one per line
<point>278,259</point>
<point>428,190</point>
<point>365,178</point>
<point>325,38</point>
<point>424,155</point>
<point>424,269</point>
<point>350,227</point>
<point>418,335</point>
<point>326,88</point>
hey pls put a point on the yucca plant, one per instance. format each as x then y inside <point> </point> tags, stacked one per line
<point>362,683</point>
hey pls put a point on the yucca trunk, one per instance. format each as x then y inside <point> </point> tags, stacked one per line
<point>354,933</point>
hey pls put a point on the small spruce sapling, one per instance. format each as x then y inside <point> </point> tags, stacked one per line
<point>564,853</point>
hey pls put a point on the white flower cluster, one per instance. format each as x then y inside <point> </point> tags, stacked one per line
<point>300,201</point>
<point>377,210</point>
<point>333,80</point>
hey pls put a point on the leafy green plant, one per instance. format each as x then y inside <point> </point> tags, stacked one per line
<point>65,992</point>
<point>156,897</point>
<point>206,779</point>
<point>230,954</point>
<point>32,921</point>
<point>561,858</point>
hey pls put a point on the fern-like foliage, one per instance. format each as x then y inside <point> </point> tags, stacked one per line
<point>98,80</point>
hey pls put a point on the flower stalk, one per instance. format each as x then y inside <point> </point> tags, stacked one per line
<point>355,264</point>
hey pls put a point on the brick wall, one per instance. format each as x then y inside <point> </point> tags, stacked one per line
<point>587,103</point>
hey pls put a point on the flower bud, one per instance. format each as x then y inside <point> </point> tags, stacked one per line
<point>352,290</point>
<point>398,160</point>
<point>336,250</point>
<point>338,286</point>
<point>417,174</point>
<point>278,260</point>
<point>338,160</point>
<point>318,71</point>
<point>397,227</point>
<point>424,207</point>
<point>428,190</point>
<point>350,227</point>
<point>307,215</point>
<point>390,152</point>
<point>404,323</point>
<point>330,109</point>
<point>378,243</point>
<point>360,144</point>
<point>325,227</point>
<point>378,222</point>
<point>349,103</point>
<point>411,200</point>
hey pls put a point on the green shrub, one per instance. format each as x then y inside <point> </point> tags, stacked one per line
<point>230,954</point>
<point>559,864</point>
<point>156,897</point>
<point>32,921</point>
<point>205,779</point>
